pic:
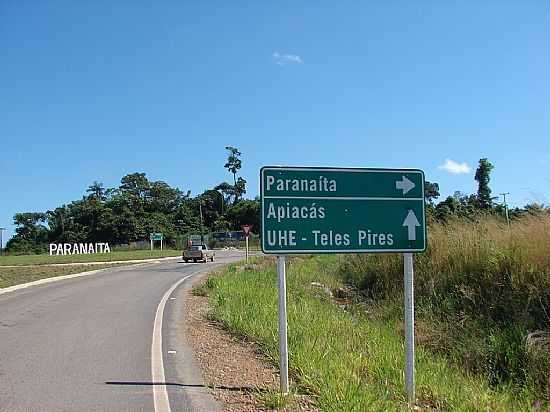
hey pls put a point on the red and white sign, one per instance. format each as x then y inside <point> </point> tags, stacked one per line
<point>247,229</point>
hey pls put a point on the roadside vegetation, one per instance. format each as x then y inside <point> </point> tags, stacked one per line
<point>482,305</point>
<point>129,213</point>
<point>482,295</point>
<point>10,276</point>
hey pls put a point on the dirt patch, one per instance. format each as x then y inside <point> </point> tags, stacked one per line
<point>235,369</point>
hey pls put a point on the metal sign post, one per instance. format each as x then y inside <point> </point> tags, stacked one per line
<point>283,344</point>
<point>343,210</point>
<point>409,325</point>
<point>246,229</point>
<point>156,236</point>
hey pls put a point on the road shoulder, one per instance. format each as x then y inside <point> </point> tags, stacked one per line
<point>185,383</point>
<point>236,371</point>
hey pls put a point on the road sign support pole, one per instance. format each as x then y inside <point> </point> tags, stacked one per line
<point>247,249</point>
<point>161,244</point>
<point>409,326</point>
<point>283,344</point>
<point>151,244</point>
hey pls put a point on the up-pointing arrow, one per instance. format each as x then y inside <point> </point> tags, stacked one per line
<point>405,185</point>
<point>411,222</point>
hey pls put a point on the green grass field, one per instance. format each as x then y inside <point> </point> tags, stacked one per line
<point>345,358</point>
<point>98,257</point>
<point>10,276</point>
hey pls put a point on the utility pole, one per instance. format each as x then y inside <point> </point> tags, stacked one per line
<point>1,240</point>
<point>200,211</point>
<point>506,207</point>
<point>223,200</point>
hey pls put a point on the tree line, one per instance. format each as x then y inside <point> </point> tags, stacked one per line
<point>471,206</point>
<point>135,209</point>
<point>138,207</point>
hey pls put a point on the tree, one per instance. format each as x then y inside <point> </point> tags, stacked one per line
<point>163,198</point>
<point>245,212</point>
<point>29,225</point>
<point>240,189</point>
<point>221,225</point>
<point>431,191</point>
<point>227,190</point>
<point>210,206</point>
<point>187,217</point>
<point>234,162</point>
<point>458,205</point>
<point>31,235</point>
<point>135,184</point>
<point>97,191</point>
<point>135,209</point>
<point>483,176</point>
<point>58,220</point>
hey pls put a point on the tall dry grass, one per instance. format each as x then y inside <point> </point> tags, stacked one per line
<point>482,286</point>
<point>499,272</point>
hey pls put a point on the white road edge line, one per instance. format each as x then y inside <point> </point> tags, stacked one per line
<point>160,394</point>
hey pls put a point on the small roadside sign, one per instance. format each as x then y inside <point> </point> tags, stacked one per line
<point>247,229</point>
<point>156,236</point>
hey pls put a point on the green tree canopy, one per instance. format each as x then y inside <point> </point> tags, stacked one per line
<point>483,176</point>
<point>234,163</point>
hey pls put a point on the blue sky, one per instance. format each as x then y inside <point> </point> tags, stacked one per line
<point>96,90</point>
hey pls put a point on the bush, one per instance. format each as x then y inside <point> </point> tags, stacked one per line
<point>17,246</point>
<point>538,362</point>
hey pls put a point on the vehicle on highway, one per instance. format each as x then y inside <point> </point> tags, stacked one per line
<point>198,253</point>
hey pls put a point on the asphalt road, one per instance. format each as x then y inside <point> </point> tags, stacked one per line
<point>86,344</point>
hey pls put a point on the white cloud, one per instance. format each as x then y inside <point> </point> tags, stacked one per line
<point>282,59</point>
<point>454,167</point>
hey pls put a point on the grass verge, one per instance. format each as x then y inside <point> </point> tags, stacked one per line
<point>17,275</point>
<point>344,358</point>
<point>97,257</point>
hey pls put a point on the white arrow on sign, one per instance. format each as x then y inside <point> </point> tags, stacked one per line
<point>411,222</point>
<point>405,185</point>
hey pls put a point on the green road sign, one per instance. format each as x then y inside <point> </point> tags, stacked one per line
<point>339,210</point>
<point>157,236</point>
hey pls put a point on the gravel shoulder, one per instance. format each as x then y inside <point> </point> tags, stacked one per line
<point>235,369</point>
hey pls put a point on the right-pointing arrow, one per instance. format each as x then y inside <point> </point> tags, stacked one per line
<point>411,222</point>
<point>405,185</point>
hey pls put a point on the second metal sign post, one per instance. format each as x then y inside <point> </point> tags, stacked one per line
<point>343,210</point>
